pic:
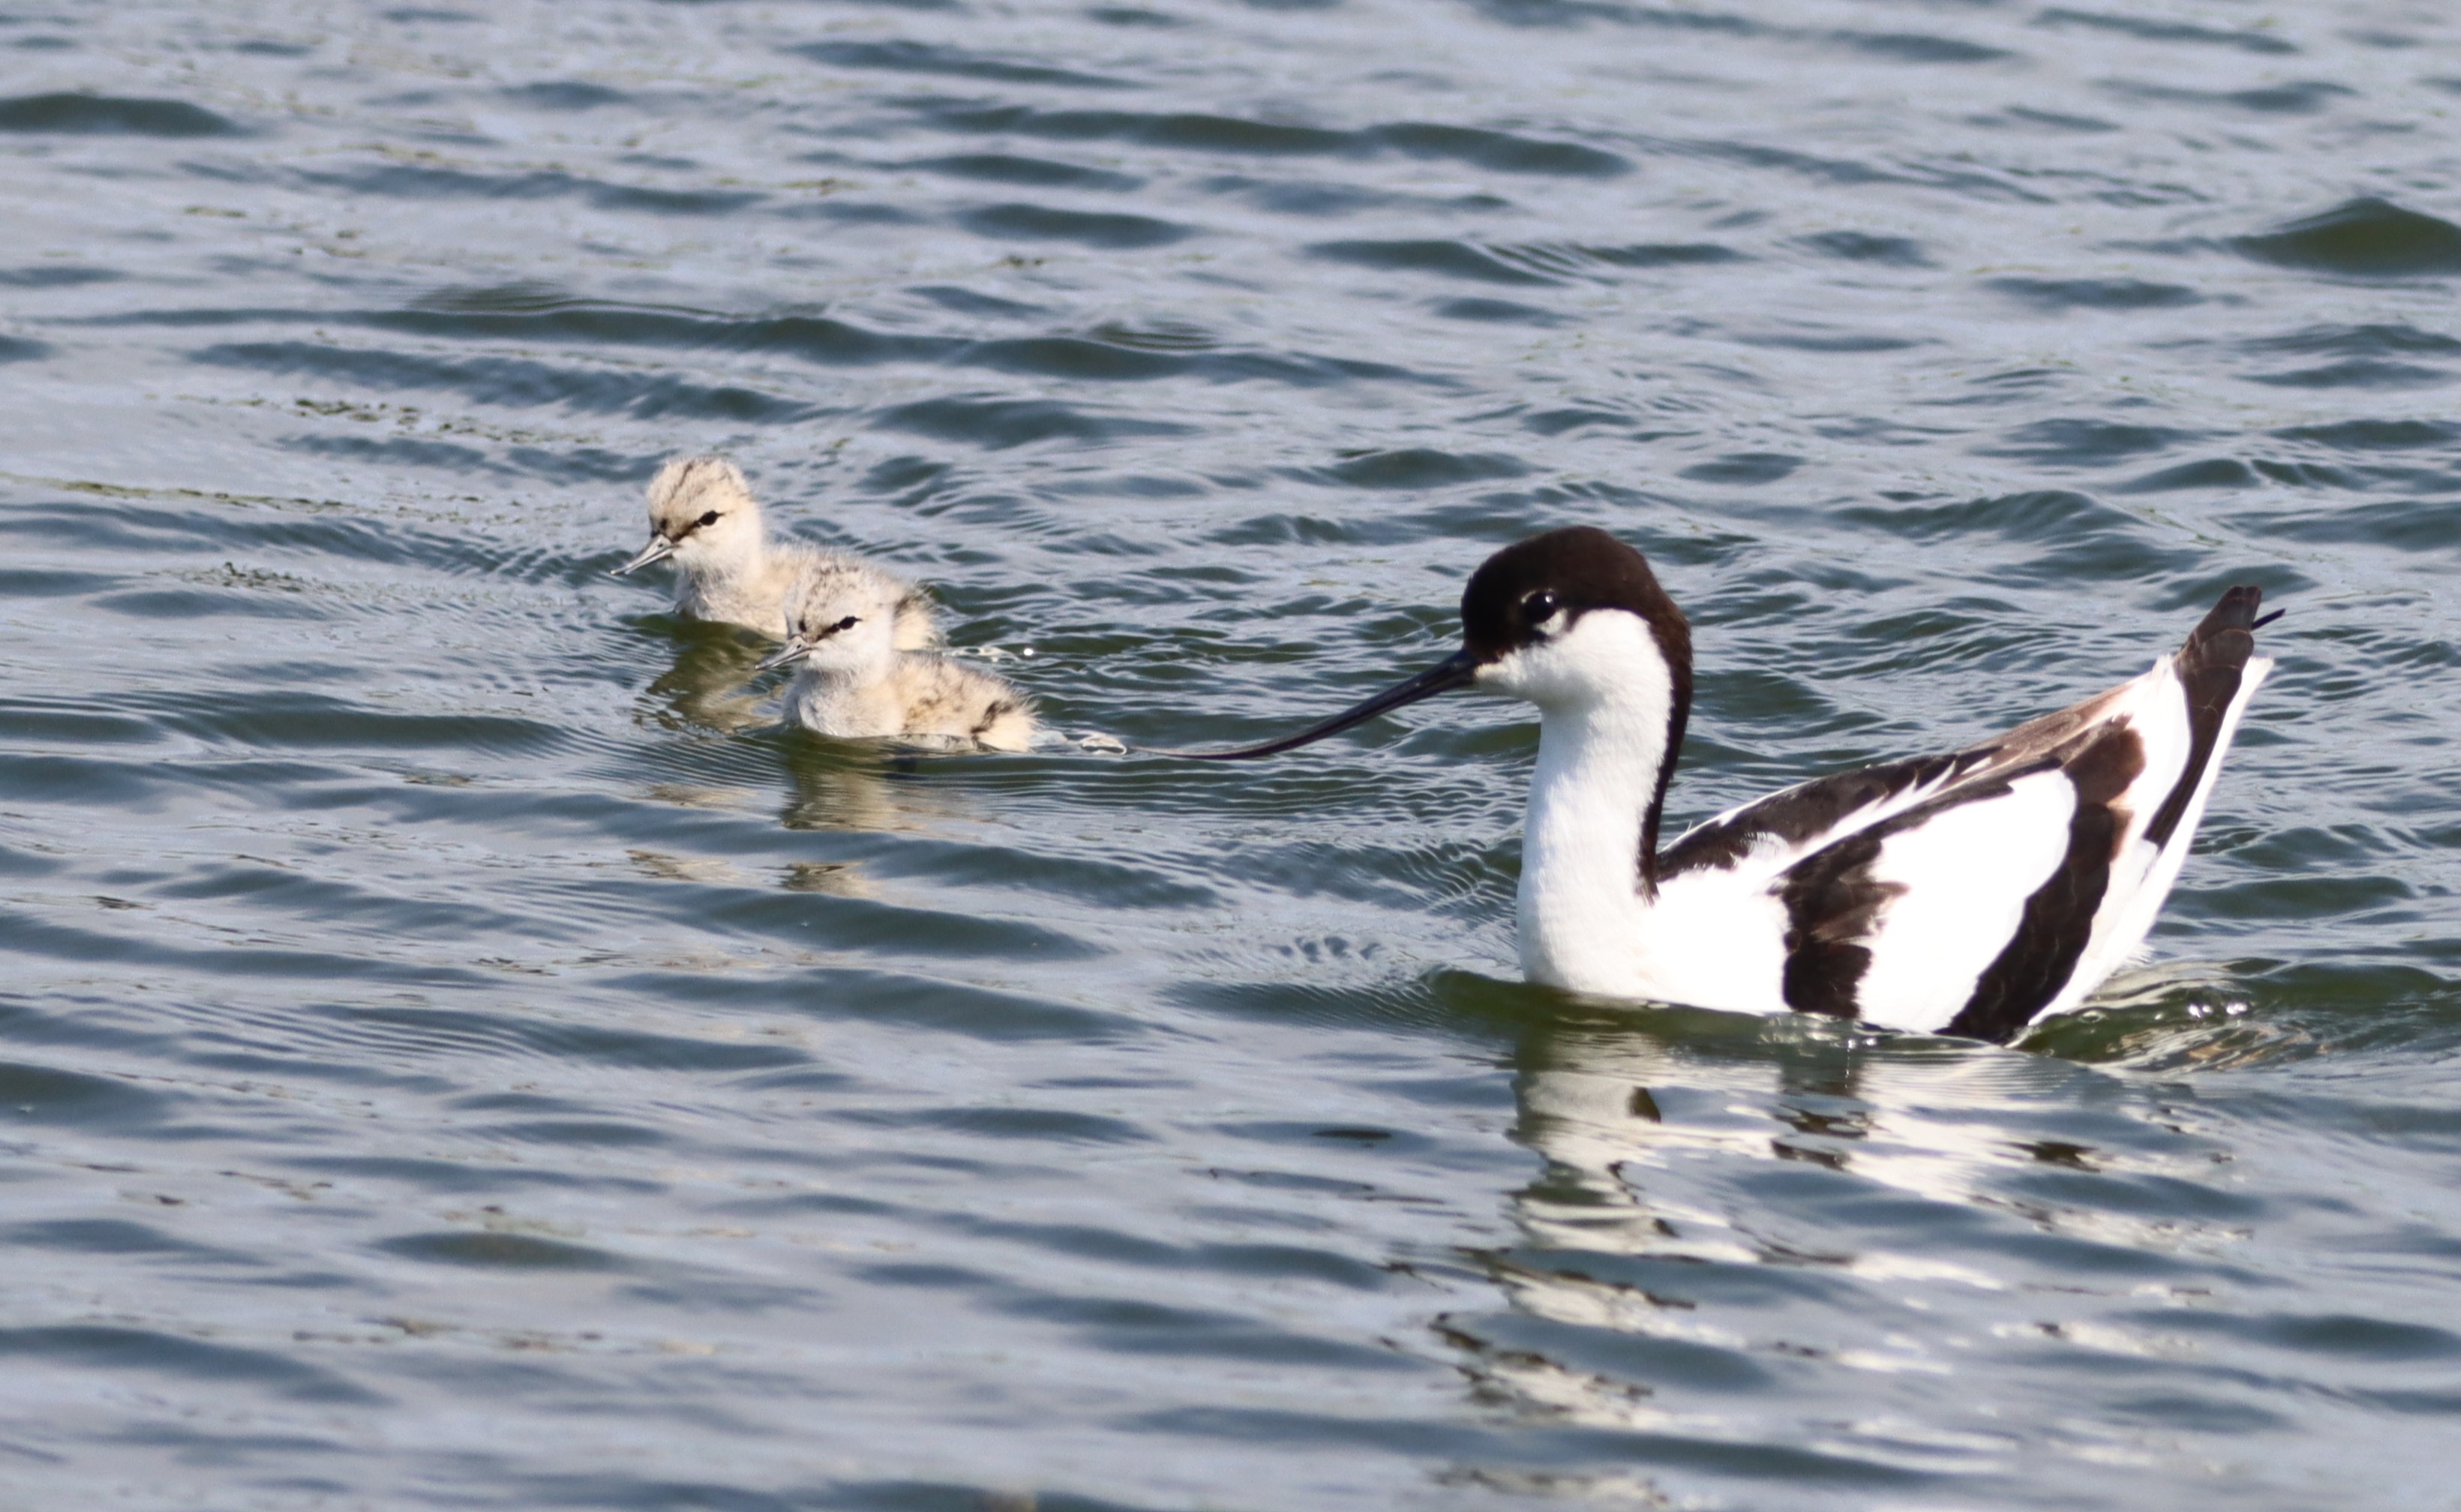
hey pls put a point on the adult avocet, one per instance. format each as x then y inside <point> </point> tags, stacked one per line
<point>1962,894</point>
<point>704,515</point>
<point>855,684</point>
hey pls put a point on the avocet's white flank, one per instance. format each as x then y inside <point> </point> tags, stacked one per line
<point>703,516</point>
<point>1966,894</point>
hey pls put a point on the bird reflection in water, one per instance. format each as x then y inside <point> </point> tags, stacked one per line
<point>708,686</point>
<point>836,785</point>
<point>852,785</point>
<point>1620,1112</point>
<point>1594,1098</point>
<point>1734,1218</point>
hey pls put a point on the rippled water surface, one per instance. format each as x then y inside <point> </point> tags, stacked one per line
<point>455,1052</point>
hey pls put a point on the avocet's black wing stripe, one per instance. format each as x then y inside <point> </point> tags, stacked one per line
<point>2058,922</point>
<point>1839,899</point>
<point>1835,900</point>
<point>2209,667</point>
<point>1802,814</point>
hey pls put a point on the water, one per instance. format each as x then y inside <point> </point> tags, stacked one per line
<point>454,1054</point>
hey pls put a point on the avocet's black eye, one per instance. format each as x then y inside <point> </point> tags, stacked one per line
<point>848,623</point>
<point>1538,607</point>
<point>709,519</point>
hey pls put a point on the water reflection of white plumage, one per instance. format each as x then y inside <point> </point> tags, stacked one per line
<point>1805,1197</point>
<point>1608,1106</point>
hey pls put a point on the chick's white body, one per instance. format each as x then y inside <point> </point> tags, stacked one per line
<point>703,516</point>
<point>855,683</point>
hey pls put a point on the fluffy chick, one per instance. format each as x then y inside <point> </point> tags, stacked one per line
<point>854,681</point>
<point>703,516</point>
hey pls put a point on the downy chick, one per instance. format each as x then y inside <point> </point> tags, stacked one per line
<point>702,514</point>
<point>854,681</point>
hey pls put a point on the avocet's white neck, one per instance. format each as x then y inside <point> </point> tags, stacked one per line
<point>1604,694</point>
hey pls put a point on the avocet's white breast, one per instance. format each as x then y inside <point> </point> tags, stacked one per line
<point>1605,693</point>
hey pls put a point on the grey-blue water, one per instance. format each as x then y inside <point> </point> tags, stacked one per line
<point>454,1054</point>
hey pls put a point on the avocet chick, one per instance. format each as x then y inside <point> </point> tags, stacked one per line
<point>854,681</point>
<point>702,514</point>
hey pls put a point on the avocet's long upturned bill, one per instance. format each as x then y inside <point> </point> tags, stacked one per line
<point>1965,894</point>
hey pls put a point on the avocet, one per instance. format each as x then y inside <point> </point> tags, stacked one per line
<point>1967,893</point>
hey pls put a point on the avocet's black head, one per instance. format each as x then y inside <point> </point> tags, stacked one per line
<point>1537,591</point>
<point>1569,615</point>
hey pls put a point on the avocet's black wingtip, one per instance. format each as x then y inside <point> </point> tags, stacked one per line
<point>2212,640</point>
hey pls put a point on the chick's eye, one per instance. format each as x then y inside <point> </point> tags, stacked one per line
<point>848,623</point>
<point>709,519</point>
<point>1539,608</point>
